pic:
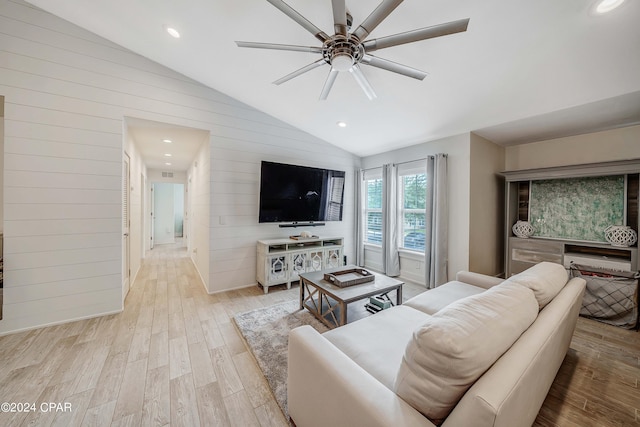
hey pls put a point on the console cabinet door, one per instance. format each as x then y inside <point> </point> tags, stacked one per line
<point>333,257</point>
<point>277,269</point>
<point>316,260</point>
<point>298,264</point>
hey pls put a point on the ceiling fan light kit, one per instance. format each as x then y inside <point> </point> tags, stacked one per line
<point>605,6</point>
<point>345,51</point>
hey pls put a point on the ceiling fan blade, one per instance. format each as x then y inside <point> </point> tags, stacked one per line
<point>302,70</point>
<point>331,78</point>
<point>339,16</point>
<point>417,35</point>
<point>293,14</point>
<point>377,16</point>
<point>295,48</point>
<point>362,81</point>
<point>385,64</point>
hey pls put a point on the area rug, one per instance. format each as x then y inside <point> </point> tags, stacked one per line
<point>266,331</point>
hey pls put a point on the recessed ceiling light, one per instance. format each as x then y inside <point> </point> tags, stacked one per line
<point>173,32</point>
<point>167,141</point>
<point>604,6</point>
<point>168,164</point>
<point>167,154</point>
<point>342,124</point>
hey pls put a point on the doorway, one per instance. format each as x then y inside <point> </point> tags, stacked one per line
<point>163,153</point>
<point>168,212</point>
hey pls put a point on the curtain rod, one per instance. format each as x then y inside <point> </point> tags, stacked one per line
<point>399,163</point>
<point>411,161</point>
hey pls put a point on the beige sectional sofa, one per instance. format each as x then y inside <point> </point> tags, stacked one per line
<point>477,351</point>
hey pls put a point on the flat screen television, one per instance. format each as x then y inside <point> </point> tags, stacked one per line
<point>291,193</point>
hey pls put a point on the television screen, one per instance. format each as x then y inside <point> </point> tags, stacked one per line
<point>290,193</point>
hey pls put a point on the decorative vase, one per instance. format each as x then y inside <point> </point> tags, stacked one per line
<point>620,235</point>
<point>522,229</point>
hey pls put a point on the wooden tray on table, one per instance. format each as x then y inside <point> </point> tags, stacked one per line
<point>349,277</point>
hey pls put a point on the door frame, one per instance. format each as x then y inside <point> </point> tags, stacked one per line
<point>126,225</point>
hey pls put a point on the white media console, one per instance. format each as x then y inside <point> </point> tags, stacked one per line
<point>282,260</point>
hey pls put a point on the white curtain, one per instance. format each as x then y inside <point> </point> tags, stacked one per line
<point>436,235</point>
<point>360,219</point>
<point>390,255</point>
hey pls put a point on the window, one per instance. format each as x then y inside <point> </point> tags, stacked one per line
<point>413,196</point>
<point>373,211</point>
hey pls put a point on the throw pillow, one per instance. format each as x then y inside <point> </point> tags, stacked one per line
<point>458,344</point>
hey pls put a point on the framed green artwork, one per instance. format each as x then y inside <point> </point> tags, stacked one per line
<point>577,208</point>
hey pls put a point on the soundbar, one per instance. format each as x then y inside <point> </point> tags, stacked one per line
<point>301,224</point>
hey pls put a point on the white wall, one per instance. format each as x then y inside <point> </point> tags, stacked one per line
<point>458,150</point>
<point>155,175</point>
<point>610,145</point>
<point>67,92</point>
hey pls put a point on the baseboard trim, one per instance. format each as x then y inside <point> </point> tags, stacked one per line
<point>232,289</point>
<point>204,284</point>
<point>61,322</point>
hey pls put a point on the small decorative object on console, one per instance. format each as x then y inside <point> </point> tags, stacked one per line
<point>349,277</point>
<point>522,229</point>
<point>303,235</point>
<point>620,235</point>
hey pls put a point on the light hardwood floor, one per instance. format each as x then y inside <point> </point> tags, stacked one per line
<point>597,384</point>
<point>173,357</point>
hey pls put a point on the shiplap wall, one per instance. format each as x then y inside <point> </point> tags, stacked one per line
<point>67,92</point>
<point>235,186</point>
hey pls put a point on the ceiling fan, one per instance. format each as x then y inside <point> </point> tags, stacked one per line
<point>345,51</point>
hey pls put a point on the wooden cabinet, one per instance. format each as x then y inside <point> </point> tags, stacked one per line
<point>524,253</point>
<point>521,253</point>
<point>283,260</point>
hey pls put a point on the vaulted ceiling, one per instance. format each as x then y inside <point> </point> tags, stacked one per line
<point>524,70</point>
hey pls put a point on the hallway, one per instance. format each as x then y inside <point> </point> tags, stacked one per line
<point>172,357</point>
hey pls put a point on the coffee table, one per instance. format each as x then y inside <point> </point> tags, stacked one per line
<point>328,302</point>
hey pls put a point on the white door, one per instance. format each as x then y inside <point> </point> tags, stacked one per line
<point>187,205</point>
<point>143,216</point>
<point>126,222</point>
<point>152,208</point>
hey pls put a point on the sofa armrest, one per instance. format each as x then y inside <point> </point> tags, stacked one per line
<point>326,388</point>
<point>513,390</point>
<point>477,279</point>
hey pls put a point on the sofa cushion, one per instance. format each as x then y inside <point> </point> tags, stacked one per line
<point>455,346</point>
<point>545,279</point>
<point>377,342</point>
<point>434,300</point>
